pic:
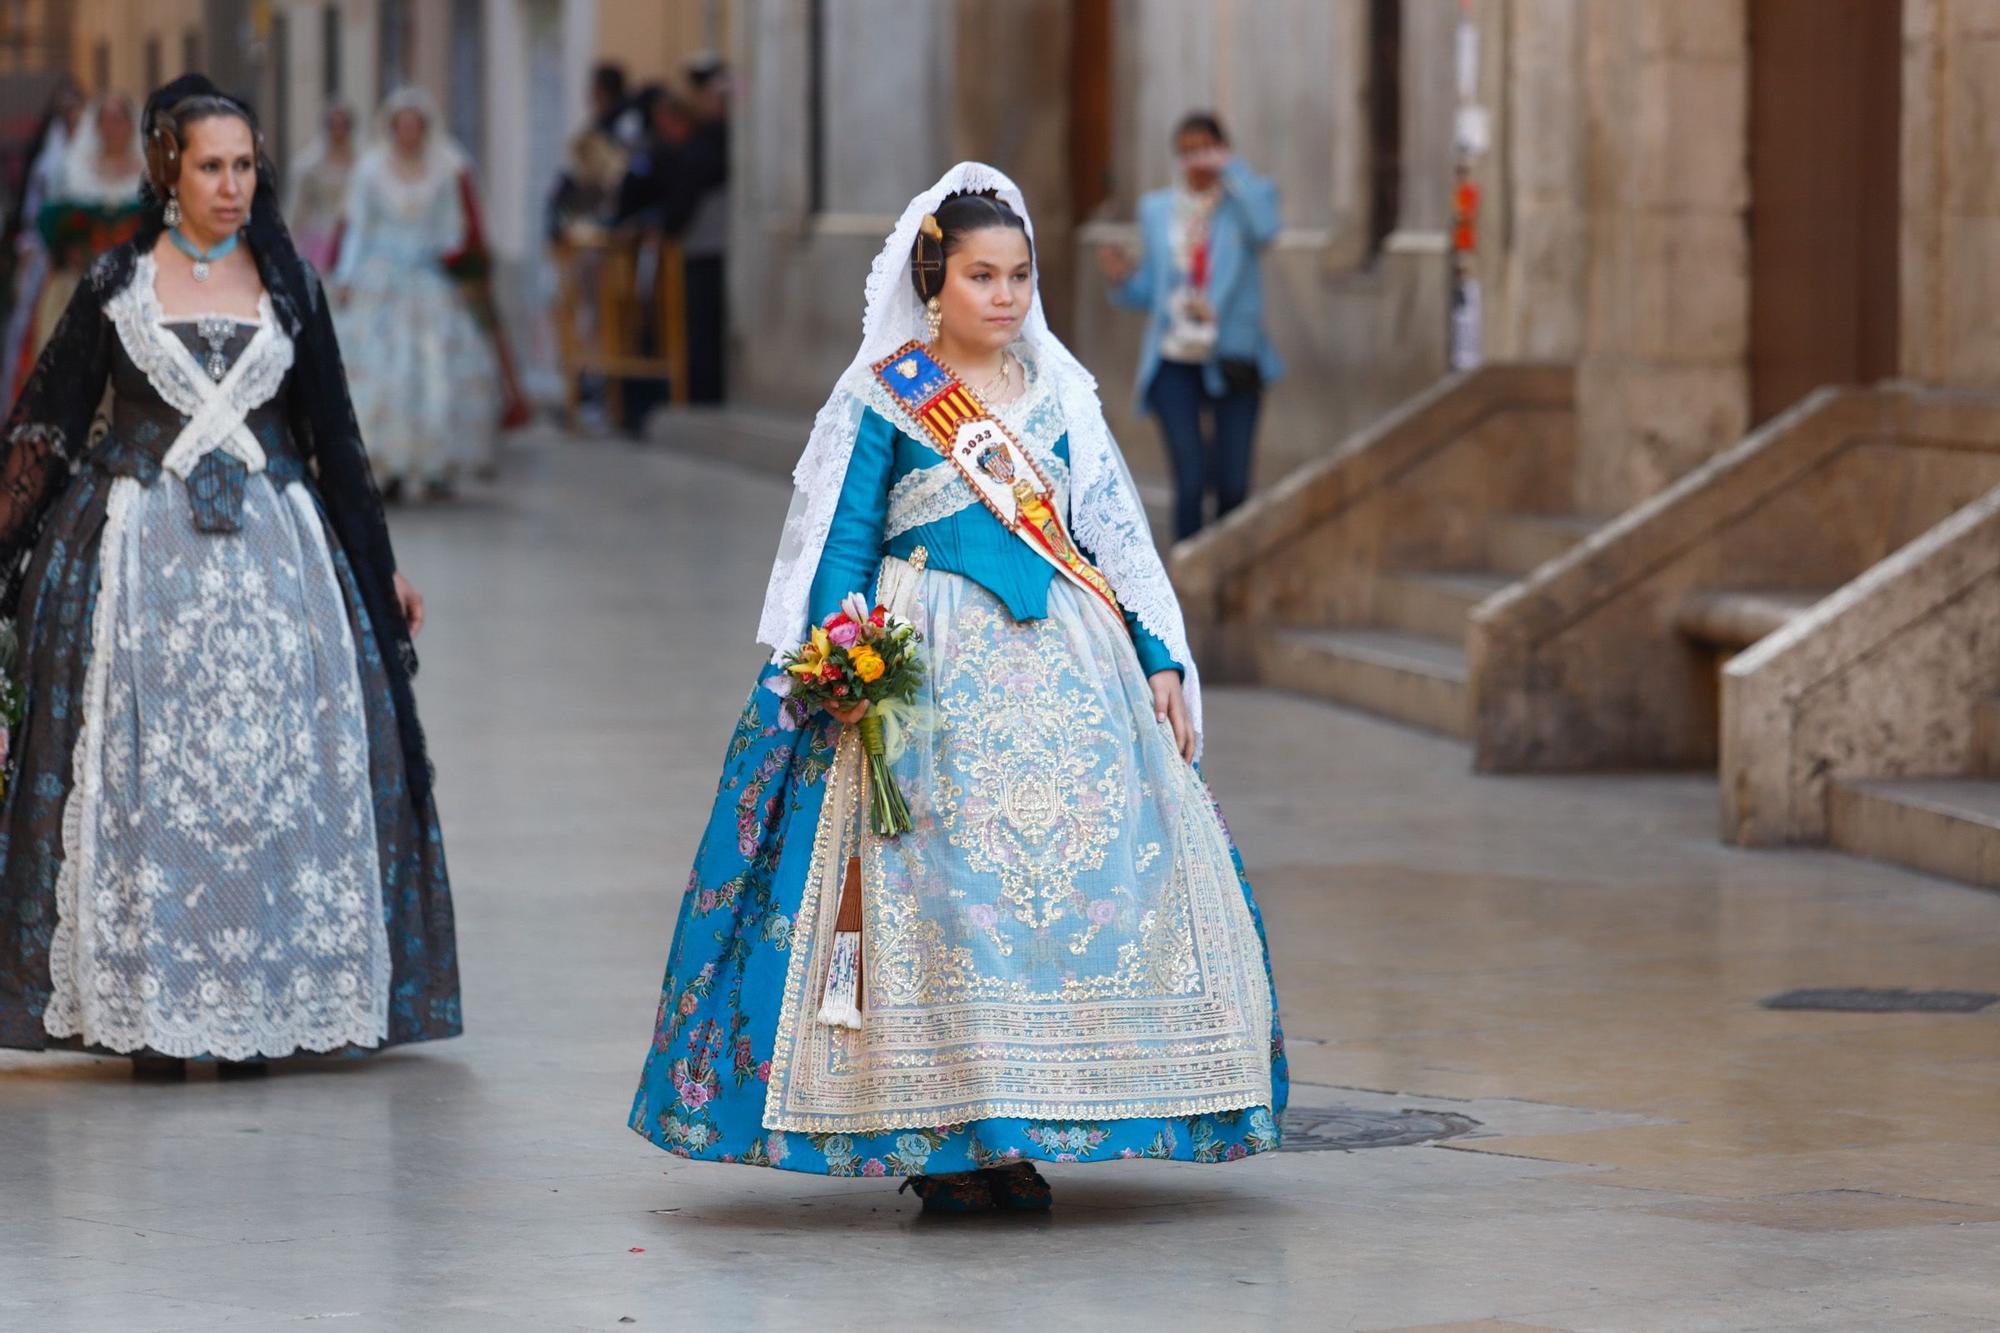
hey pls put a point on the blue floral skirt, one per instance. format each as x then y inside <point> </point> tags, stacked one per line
<point>748,918</point>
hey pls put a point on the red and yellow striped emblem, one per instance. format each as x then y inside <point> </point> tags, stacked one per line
<point>944,414</point>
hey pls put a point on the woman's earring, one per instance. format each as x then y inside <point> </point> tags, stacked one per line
<point>173,213</point>
<point>933,318</point>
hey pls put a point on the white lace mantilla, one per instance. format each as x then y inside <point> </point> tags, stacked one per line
<point>216,411</point>
<point>1106,515</point>
<point>221,887</point>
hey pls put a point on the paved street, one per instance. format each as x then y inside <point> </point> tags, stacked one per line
<point>1566,971</point>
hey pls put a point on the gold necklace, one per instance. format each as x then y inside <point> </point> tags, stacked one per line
<point>998,381</point>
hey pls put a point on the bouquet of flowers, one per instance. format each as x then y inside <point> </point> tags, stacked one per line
<point>862,655</point>
<point>12,693</point>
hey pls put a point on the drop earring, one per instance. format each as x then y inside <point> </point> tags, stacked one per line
<point>933,318</point>
<point>172,215</point>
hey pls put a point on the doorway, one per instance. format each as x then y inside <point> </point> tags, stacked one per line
<point>1825,186</point>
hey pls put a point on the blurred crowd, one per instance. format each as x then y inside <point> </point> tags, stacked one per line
<point>387,208</point>
<point>653,162</point>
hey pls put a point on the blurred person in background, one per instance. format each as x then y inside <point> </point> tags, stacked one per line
<point>658,195</point>
<point>424,377</point>
<point>317,200</point>
<point>219,841</point>
<point>1206,358</point>
<point>92,206</point>
<point>586,190</point>
<point>29,257</point>
<point>705,236</point>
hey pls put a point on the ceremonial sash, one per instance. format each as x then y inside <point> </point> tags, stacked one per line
<point>1001,473</point>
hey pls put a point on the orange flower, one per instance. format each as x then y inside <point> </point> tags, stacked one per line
<point>867,663</point>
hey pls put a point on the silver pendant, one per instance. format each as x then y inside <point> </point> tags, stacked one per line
<point>201,270</point>
<point>215,332</point>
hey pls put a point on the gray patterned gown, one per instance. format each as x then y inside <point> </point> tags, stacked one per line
<point>210,846</point>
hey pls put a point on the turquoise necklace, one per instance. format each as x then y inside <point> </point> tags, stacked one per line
<point>203,258</point>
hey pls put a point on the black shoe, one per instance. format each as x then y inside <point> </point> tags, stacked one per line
<point>241,1068</point>
<point>960,1192</point>
<point>158,1069</point>
<point>1020,1188</point>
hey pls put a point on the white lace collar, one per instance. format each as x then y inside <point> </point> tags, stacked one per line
<point>216,410</point>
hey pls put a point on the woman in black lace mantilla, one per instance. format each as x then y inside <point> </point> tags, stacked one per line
<point>219,840</point>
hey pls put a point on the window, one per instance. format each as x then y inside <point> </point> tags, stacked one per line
<point>329,50</point>
<point>466,110</point>
<point>873,140</point>
<point>396,23</point>
<point>281,88</point>
<point>1385,118</point>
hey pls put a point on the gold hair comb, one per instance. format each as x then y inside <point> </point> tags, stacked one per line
<point>929,227</point>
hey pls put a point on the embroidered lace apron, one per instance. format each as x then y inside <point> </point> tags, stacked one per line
<point>221,887</point>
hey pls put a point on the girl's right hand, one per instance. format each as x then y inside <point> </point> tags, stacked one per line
<point>849,715</point>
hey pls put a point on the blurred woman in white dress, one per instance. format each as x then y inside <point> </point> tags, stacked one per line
<point>422,372</point>
<point>317,199</point>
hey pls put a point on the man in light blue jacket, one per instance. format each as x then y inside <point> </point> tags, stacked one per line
<point>1206,358</point>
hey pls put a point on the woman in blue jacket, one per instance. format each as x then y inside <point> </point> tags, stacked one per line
<point>1206,354</point>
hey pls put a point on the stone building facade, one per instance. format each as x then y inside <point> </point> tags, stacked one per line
<point>848,107</point>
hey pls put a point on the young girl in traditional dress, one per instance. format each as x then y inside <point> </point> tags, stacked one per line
<point>1061,960</point>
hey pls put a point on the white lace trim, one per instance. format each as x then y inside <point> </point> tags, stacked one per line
<point>334,965</point>
<point>1106,515</point>
<point>64,1015</point>
<point>216,412</point>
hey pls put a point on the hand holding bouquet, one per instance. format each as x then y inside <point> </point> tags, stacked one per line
<point>858,657</point>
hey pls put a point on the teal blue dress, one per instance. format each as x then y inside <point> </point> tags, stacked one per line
<point>1064,961</point>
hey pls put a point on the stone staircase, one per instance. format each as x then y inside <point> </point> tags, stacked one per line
<point>1409,661</point>
<point>1944,826</point>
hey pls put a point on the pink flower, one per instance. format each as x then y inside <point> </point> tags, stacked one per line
<point>1102,911</point>
<point>764,1072</point>
<point>1237,1152</point>
<point>983,916</point>
<point>873,1167</point>
<point>845,634</point>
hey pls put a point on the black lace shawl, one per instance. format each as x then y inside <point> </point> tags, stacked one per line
<point>49,429</point>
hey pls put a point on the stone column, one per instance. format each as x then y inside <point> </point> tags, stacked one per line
<point>1534,236</point>
<point>1663,382</point>
<point>1951,192</point>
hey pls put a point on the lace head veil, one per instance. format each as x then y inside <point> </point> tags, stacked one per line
<point>83,176</point>
<point>444,158</point>
<point>1106,516</point>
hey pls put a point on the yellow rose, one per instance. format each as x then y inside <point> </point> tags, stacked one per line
<point>868,663</point>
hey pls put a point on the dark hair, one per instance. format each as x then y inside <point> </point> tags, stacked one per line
<point>1201,122</point>
<point>163,127</point>
<point>609,79</point>
<point>166,135</point>
<point>957,217</point>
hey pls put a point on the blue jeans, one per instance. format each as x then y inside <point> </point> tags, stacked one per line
<point>1212,460</point>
